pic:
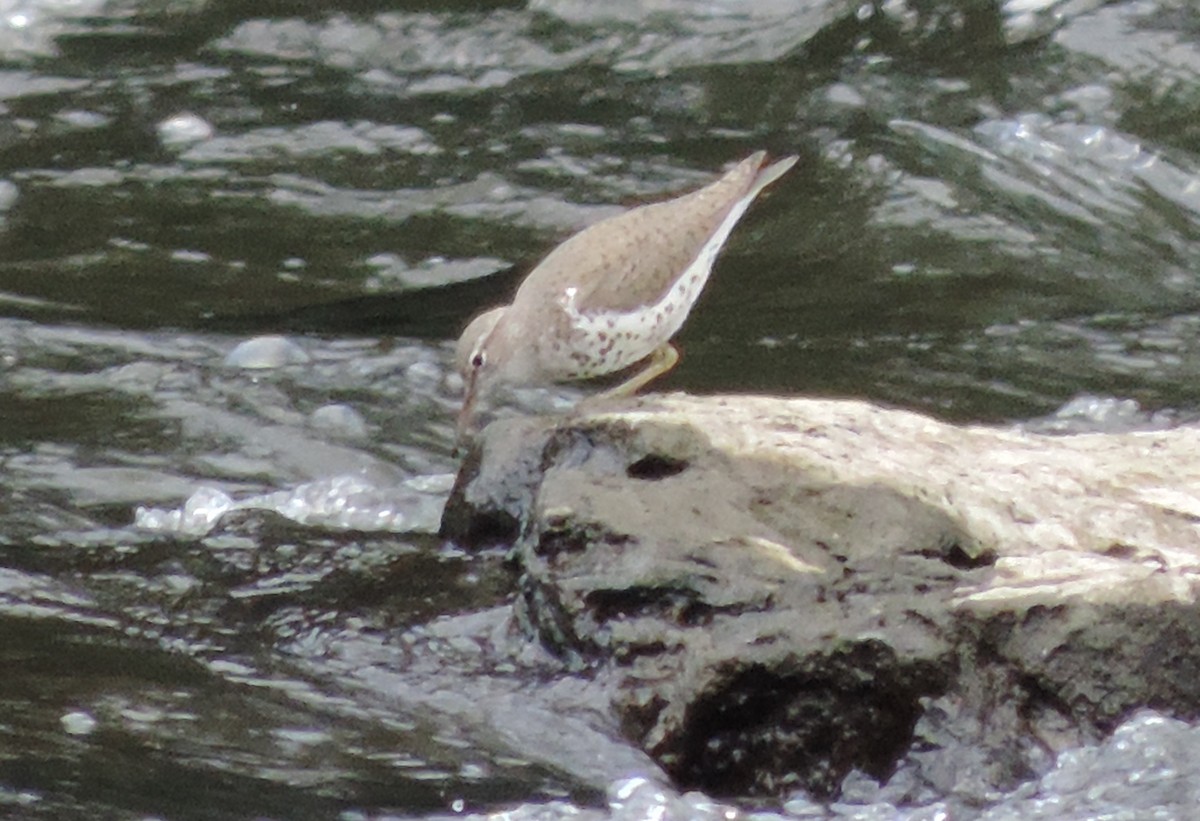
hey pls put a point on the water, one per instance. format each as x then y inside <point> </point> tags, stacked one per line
<point>235,250</point>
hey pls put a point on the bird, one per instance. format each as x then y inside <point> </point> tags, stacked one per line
<point>610,296</point>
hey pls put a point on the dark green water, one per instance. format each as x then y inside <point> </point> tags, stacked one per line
<point>994,213</point>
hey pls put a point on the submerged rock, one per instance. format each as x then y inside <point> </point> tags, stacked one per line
<point>790,591</point>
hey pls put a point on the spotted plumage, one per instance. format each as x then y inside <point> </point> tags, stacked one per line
<point>613,294</point>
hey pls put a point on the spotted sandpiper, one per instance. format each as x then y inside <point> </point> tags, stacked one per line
<point>612,295</point>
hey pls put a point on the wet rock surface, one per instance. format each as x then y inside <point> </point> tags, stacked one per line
<point>788,592</point>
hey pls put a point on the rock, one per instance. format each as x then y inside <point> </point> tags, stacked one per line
<point>788,591</point>
<point>495,487</point>
<point>264,352</point>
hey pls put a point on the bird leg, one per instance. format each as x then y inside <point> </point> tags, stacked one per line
<point>662,360</point>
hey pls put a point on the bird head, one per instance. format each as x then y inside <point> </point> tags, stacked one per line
<point>479,359</point>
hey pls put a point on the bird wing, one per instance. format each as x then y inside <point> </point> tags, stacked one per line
<point>632,259</point>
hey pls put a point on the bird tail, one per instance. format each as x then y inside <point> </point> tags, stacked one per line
<point>771,173</point>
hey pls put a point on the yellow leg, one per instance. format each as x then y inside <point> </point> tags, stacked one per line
<point>662,360</point>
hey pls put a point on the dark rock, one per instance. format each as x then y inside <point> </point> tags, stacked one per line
<point>496,484</point>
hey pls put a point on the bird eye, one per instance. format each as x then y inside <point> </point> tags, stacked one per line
<point>477,360</point>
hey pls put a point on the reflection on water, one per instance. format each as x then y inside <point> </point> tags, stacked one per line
<point>233,253</point>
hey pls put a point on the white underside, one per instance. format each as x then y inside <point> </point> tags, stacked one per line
<point>638,332</point>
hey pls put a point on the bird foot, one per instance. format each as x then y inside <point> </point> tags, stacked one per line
<point>662,360</point>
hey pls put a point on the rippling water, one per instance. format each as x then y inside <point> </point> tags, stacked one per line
<point>234,250</point>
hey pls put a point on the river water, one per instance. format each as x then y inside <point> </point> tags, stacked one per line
<point>237,241</point>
